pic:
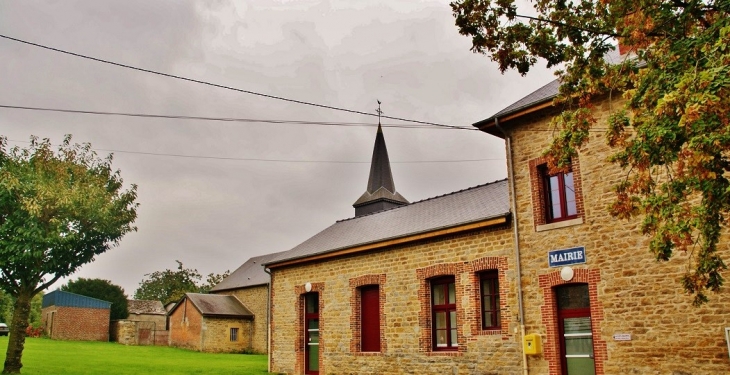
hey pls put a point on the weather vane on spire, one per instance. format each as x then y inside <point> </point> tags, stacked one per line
<point>378,111</point>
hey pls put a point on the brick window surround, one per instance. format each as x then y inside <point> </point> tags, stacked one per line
<point>549,313</point>
<point>299,291</point>
<point>355,316</point>
<point>539,190</point>
<point>474,269</point>
<point>466,277</point>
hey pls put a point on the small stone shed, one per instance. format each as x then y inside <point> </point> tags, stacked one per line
<point>69,316</point>
<point>211,323</point>
<point>145,325</point>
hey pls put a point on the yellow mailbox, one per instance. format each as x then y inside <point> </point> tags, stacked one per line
<point>533,344</point>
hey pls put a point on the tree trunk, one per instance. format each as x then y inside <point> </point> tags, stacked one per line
<point>16,341</point>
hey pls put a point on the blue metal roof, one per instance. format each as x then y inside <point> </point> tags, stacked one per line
<point>61,298</point>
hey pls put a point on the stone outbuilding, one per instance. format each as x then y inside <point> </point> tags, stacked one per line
<point>148,311</point>
<point>250,284</point>
<point>69,316</point>
<point>145,325</point>
<point>211,323</point>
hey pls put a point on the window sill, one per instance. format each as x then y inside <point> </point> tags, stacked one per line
<point>559,224</point>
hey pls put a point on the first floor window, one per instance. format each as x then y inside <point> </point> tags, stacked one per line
<point>490,299</point>
<point>234,334</point>
<point>559,192</point>
<point>443,305</point>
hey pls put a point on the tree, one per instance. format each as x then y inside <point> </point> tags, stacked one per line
<point>6,308</point>
<point>58,210</point>
<point>170,286</point>
<point>103,290</point>
<point>671,135</point>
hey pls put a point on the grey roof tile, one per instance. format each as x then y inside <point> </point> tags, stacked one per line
<point>218,305</point>
<point>248,274</point>
<point>450,210</point>
<point>138,306</point>
<point>547,92</point>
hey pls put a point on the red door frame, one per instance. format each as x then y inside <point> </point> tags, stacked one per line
<point>307,318</point>
<point>570,313</point>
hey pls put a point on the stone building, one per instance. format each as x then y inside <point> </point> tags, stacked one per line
<point>591,289</point>
<point>398,288</point>
<point>250,284</point>
<point>69,316</point>
<point>211,323</point>
<point>529,275</point>
<point>145,325</point>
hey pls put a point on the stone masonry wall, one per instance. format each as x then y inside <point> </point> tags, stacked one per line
<point>403,275</point>
<point>76,323</point>
<point>217,335</point>
<point>631,292</point>
<point>255,299</point>
<point>186,326</point>
<point>130,332</point>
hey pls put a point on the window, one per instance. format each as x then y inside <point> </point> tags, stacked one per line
<point>370,318</point>
<point>489,282</point>
<point>443,305</point>
<point>559,193</point>
<point>234,334</point>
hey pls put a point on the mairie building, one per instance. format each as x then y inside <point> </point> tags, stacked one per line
<point>528,275</point>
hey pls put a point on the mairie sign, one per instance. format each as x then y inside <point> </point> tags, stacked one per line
<point>574,255</point>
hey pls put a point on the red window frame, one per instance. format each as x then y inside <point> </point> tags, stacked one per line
<point>370,318</point>
<point>490,310</point>
<point>442,287</point>
<point>560,210</point>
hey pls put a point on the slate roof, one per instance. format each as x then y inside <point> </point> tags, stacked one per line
<point>138,306</point>
<point>542,95</point>
<point>248,274</point>
<point>216,305</point>
<point>463,207</point>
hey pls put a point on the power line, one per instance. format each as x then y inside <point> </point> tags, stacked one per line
<point>224,119</point>
<point>226,87</point>
<point>280,160</point>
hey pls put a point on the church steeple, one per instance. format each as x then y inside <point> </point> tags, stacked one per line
<point>380,194</point>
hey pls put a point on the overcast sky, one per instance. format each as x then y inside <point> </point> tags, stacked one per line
<point>213,214</point>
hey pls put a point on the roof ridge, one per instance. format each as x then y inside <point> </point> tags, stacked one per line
<point>423,200</point>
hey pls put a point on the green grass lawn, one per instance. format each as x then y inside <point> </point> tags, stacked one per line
<point>44,356</point>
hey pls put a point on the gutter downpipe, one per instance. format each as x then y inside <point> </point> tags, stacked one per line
<point>268,321</point>
<point>513,203</point>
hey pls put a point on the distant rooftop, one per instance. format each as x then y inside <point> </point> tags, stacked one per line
<point>137,306</point>
<point>61,298</point>
<point>248,274</point>
<point>216,305</point>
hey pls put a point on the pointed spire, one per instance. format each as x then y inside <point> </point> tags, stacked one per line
<point>380,193</point>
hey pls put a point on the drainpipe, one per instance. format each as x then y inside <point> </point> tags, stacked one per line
<point>513,203</point>
<point>268,319</point>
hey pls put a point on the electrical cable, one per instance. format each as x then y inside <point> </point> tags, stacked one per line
<point>280,160</point>
<point>225,119</point>
<point>227,87</point>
